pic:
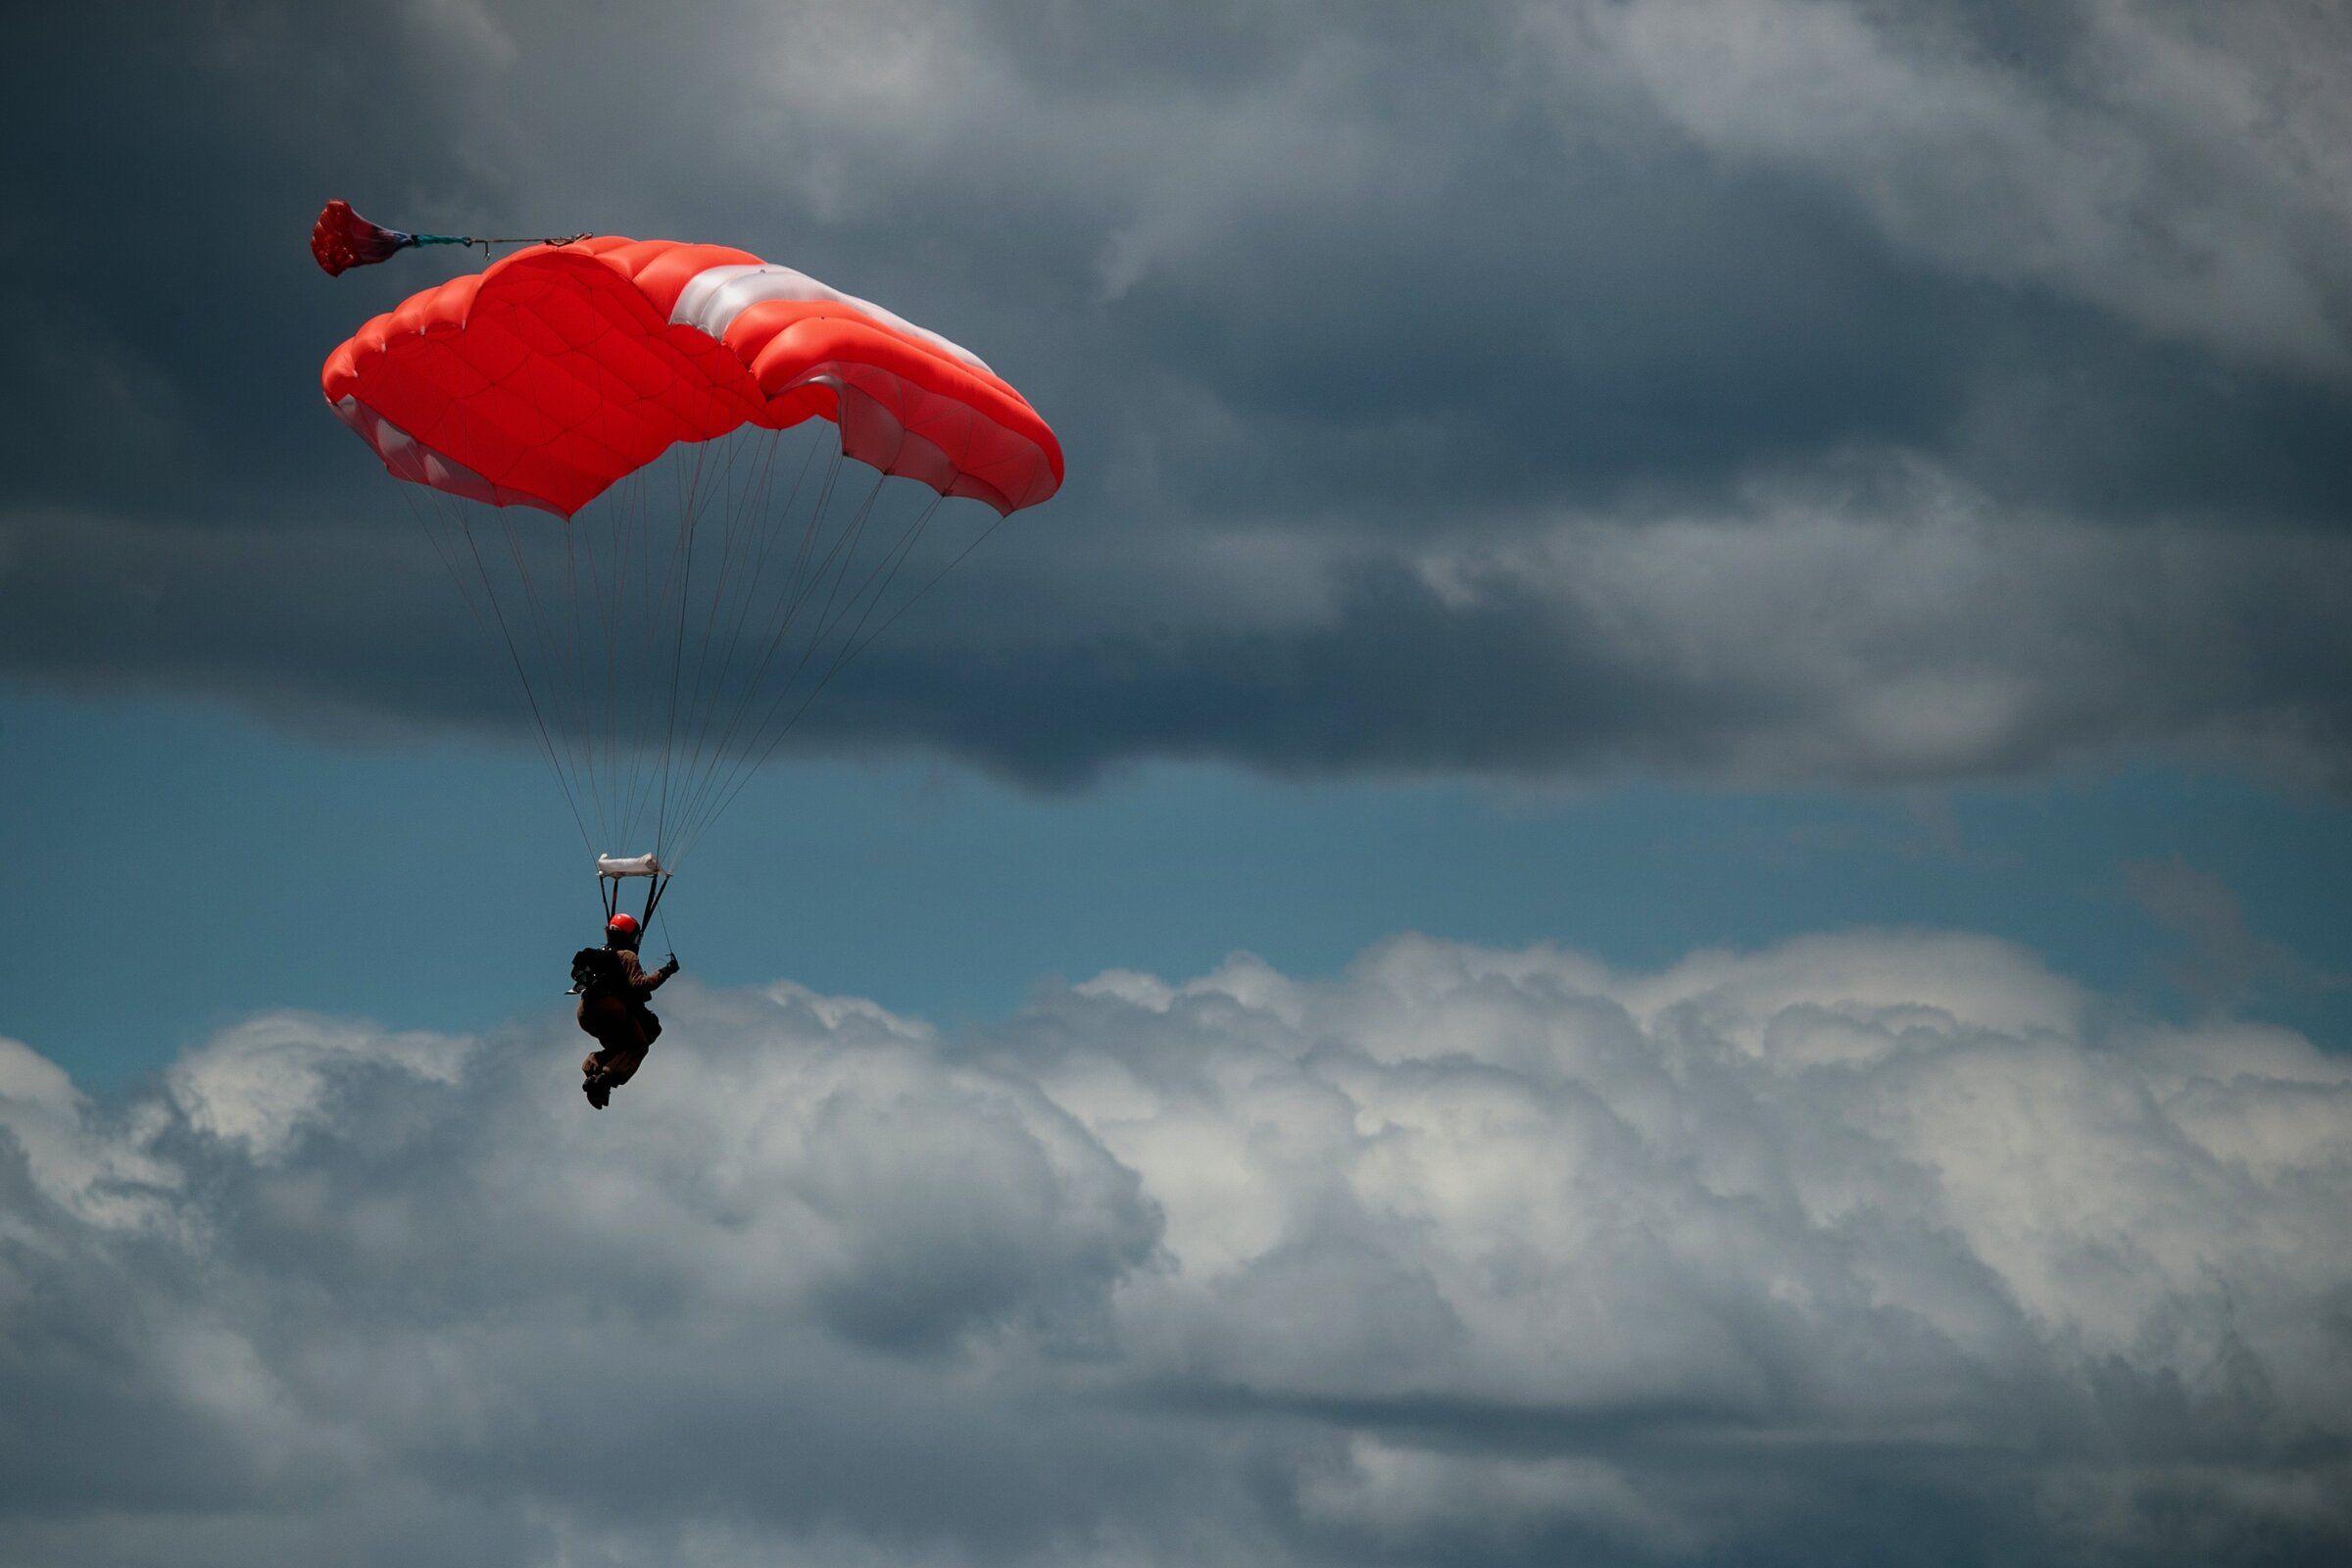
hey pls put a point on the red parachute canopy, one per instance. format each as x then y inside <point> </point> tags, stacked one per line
<point>545,377</point>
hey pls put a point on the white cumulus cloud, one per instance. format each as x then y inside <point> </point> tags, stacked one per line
<point>1461,1253</point>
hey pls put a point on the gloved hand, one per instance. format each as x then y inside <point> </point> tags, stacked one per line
<point>671,966</point>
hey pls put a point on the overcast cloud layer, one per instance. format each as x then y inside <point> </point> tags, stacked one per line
<point>1780,390</point>
<point>1869,1249</point>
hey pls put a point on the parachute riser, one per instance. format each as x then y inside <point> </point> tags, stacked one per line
<point>609,873</point>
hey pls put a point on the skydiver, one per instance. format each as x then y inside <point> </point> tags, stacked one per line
<point>612,989</point>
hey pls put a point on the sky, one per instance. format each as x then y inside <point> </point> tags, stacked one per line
<point>1648,865</point>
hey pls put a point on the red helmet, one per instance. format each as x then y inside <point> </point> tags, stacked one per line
<point>621,925</point>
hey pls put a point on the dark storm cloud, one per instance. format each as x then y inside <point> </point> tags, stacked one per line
<point>1871,1248</point>
<point>1357,328</point>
